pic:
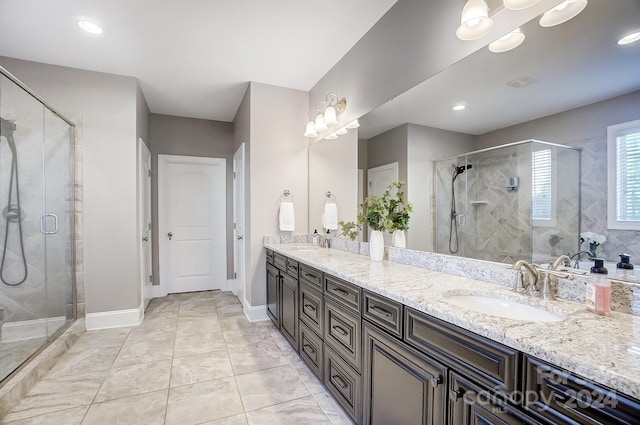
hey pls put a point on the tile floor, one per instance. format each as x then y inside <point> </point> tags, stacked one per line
<point>195,359</point>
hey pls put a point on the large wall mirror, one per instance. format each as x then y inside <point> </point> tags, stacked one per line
<point>564,85</point>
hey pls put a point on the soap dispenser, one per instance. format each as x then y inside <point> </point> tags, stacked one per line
<point>598,296</point>
<point>624,269</point>
<point>314,240</point>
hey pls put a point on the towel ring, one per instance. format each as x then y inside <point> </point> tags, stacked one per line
<point>330,196</point>
<point>286,196</point>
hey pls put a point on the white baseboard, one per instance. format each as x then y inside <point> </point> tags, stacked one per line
<point>28,329</point>
<point>255,313</point>
<point>114,319</point>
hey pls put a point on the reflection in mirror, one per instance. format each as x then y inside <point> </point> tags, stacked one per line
<point>563,85</point>
<point>516,201</point>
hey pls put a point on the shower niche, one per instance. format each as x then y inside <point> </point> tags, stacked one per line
<point>37,300</point>
<point>510,202</point>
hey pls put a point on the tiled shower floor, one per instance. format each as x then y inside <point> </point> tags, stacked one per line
<point>194,360</point>
<point>13,353</point>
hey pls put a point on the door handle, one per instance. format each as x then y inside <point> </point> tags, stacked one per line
<point>170,234</point>
<point>146,239</point>
<point>240,238</point>
<point>43,224</point>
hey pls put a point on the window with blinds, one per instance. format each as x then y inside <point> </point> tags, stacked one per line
<point>541,182</point>
<point>624,176</point>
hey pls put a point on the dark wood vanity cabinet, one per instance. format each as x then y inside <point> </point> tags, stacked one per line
<point>388,364</point>
<point>556,396</point>
<point>401,385</point>
<point>273,295</point>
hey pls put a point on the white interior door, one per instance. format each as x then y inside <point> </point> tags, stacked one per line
<point>238,224</point>
<point>378,179</point>
<point>144,220</point>
<point>192,212</point>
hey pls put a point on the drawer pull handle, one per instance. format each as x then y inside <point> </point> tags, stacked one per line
<point>309,276</point>
<point>306,347</point>
<point>309,307</point>
<point>375,309</point>
<point>338,380</point>
<point>435,381</point>
<point>562,400</point>
<point>292,267</point>
<point>340,330</point>
<point>340,291</point>
<point>455,395</point>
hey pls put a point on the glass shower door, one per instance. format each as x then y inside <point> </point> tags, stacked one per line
<point>57,222</point>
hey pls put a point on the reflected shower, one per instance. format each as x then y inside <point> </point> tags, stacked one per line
<point>12,213</point>
<point>453,228</point>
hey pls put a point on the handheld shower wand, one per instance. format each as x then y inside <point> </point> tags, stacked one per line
<point>12,212</point>
<point>453,226</point>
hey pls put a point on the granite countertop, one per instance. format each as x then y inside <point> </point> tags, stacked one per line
<point>603,349</point>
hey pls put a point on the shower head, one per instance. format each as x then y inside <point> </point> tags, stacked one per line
<point>7,127</point>
<point>457,170</point>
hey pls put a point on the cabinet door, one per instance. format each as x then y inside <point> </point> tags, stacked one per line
<point>470,404</point>
<point>273,295</point>
<point>289,311</point>
<point>401,386</point>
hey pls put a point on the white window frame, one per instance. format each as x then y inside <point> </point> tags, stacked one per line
<point>613,131</point>
<point>552,222</point>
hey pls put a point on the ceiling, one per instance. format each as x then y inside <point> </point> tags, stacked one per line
<point>193,58</point>
<point>574,64</point>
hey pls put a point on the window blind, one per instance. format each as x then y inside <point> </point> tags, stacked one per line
<point>628,177</point>
<point>541,185</point>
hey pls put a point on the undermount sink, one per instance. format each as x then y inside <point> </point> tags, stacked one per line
<point>507,309</point>
<point>304,248</point>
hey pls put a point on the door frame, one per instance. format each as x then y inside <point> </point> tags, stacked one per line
<point>163,162</point>
<point>144,196</point>
<point>239,261</point>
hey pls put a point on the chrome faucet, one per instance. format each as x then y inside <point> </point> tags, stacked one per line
<point>324,241</point>
<point>532,277</point>
<point>577,255</point>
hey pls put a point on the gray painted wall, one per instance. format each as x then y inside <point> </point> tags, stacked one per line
<point>190,137</point>
<point>388,147</point>
<point>584,128</point>
<point>107,109</point>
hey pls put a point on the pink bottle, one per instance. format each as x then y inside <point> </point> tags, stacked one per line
<point>598,298</point>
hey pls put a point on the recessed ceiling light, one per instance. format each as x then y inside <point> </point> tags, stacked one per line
<point>90,27</point>
<point>459,107</point>
<point>630,38</point>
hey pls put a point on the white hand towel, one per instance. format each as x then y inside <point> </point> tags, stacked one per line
<point>330,216</point>
<point>287,217</point>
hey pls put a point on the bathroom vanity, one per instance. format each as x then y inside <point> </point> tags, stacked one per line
<point>391,350</point>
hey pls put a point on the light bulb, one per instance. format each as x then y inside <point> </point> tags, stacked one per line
<point>310,131</point>
<point>507,42</point>
<point>320,125</point>
<point>330,116</point>
<point>474,21</point>
<point>563,12</point>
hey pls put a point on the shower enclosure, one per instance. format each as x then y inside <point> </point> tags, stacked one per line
<point>37,299</point>
<point>511,202</point>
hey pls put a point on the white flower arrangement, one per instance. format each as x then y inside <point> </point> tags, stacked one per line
<point>593,239</point>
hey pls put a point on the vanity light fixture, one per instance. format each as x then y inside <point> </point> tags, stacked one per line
<point>332,136</point>
<point>90,27</point>
<point>341,131</point>
<point>475,21</point>
<point>459,107</point>
<point>629,38</point>
<point>519,4</point>
<point>507,42</point>
<point>320,125</point>
<point>353,124</point>
<point>560,14</point>
<point>310,131</point>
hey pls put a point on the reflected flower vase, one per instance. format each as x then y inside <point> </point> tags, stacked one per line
<point>398,239</point>
<point>593,246</point>
<point>376,245</point>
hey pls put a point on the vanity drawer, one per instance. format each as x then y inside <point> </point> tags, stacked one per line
<point>311,276</point>
<point>292,268</point>
<point>344,383</point>
<point>311,349</point>
<point>269,256</point>
<point>343,292</point>
<point>311,308</point>
<point>342,331</point>
<point>280,261</point>
<point>383,312</point>
<point>563,398</point>
<point>486,361</point>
